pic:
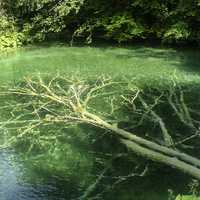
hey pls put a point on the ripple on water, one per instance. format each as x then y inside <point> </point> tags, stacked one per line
<point>12,187</point>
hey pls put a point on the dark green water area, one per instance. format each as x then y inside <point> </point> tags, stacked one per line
<point>65,173</point>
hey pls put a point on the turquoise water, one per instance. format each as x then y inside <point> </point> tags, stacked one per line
<point>139,62</point>
<point>20,181</point>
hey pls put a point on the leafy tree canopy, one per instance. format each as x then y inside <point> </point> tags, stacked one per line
<point>169,21</point>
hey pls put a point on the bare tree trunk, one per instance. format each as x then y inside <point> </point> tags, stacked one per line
<point>153,151</point>
<point>149,144</point>
<point>161,158</point>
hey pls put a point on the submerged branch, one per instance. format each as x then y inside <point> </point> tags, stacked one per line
<point>73,101</point>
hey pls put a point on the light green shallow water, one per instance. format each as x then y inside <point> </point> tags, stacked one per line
<point>140,62</point>
<point>147,65</point>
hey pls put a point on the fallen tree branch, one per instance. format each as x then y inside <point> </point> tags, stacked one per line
<point>166,136</point>
<point>149,144</point>
<point>161,158</point>
<point>74,101</point>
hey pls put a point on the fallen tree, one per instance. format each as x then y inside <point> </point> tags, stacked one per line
<point>69,101</point>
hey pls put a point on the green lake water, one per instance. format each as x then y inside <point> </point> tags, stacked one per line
<point>139,62</point>
<point>19,181</point>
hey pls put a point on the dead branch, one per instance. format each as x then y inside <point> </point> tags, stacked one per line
<point>74,97</point>
<point>166,136</point>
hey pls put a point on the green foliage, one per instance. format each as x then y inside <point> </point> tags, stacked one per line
<point>9,36</point>
<point>41,18</point>
<point>187,197</point>
<point>168,21</point>
<point>121,20</point>
<point>123,27</point>
<point>177,32</point>
<point>120,28</point>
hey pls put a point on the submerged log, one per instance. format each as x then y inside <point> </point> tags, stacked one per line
<point>153,151</point>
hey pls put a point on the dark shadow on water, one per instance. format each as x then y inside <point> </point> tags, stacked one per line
<point>186,58</point>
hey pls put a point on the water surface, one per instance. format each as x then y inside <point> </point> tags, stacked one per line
<point>19,181</point>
